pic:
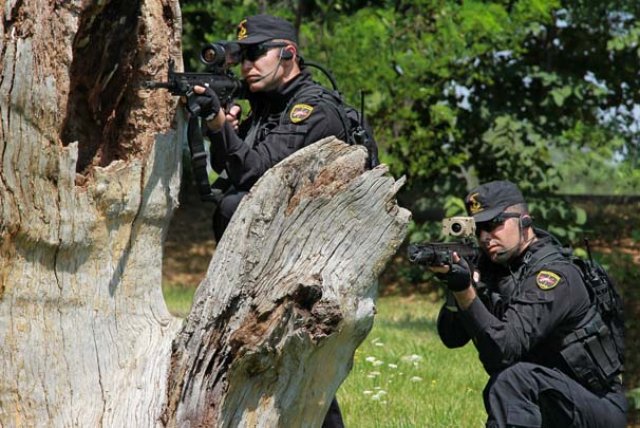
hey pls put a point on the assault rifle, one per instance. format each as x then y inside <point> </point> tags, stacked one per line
<point>217,57</point>
<point>441,253</point>
<point>223,83</point>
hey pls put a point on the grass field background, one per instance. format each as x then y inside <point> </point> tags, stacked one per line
<point>402,375</point>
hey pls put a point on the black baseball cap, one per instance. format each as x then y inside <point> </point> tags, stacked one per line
<point>260,28</point>
<point>490,199</point>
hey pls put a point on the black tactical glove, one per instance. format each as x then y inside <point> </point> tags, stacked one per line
<point>206,105</point>
<point>459,276</point>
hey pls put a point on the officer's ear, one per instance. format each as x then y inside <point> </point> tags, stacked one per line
<point>288,52</point>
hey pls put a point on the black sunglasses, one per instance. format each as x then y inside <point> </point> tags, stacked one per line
<point>490,225</point>
<point>254,52</point>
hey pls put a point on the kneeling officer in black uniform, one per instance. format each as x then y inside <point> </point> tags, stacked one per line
<point>522,307</point>
<point>288,112</point>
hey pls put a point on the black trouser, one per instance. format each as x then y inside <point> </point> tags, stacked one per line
<point>224,211</point>
<point>529,395</point>
<point>333,419</point>
<point>221,218</point>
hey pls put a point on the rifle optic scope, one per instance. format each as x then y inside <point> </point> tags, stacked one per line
<point>220,54</point>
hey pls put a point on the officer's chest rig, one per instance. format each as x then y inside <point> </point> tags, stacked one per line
<point>261,125</point>
<point>350,118</point>
<point>593,351</point>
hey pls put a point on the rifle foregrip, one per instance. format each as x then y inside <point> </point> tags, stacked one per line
<point>440,253</point>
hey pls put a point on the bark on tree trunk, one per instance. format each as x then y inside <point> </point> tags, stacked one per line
<point>289,294</point>
<point>90,173</point>
<point>90,169</point>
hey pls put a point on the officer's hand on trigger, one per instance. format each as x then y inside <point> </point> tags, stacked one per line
<point>204,102</point>
<point>457,276</point>
<point>233,116</point>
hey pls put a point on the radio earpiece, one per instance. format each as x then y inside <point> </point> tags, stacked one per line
<point>285,54</point>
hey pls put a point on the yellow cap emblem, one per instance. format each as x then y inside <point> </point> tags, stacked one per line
<point>242,29</point>
<point>300,112</point>
<point>474,206</point>
<point>547,280</point>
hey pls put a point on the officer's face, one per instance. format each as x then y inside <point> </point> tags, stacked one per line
<point>500,239</point>
<point>262,68</point>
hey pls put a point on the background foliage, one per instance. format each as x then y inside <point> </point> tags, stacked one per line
<point>544,93</point>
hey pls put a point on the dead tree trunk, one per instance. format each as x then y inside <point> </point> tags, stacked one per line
<point>289,294</point>
<point>90,173</point>
<point>89,178</point>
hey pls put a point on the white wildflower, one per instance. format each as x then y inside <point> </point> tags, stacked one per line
<point>379,395</point>
<point>371,375</point>
<point>413,358</point>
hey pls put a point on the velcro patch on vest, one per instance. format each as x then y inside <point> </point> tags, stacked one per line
<point>300,112</point>
<point>546,280</point>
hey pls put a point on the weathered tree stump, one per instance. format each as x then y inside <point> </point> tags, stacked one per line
<point>289,294</point>
<point>90,169</point>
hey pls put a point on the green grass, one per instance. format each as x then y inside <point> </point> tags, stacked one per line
<point>402,375</point>
<point>178,298</point>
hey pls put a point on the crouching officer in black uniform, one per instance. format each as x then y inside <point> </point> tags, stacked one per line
<point>288,112</point>
<point>523,308</point>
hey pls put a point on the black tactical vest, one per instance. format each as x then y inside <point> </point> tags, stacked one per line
<point>588,353</point>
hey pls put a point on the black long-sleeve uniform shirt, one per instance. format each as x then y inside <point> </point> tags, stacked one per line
<point>281,122</point>
<point>523,314</point>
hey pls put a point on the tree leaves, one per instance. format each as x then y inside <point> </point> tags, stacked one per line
<point>539,92</point>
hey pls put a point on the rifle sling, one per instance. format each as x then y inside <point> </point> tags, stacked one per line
<point>199,159</point>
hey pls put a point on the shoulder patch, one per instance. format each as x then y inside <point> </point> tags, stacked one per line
<point>300,112</point>
<point>546,280</point>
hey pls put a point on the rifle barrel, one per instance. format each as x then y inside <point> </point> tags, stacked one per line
<point>441,253</point>
<point>151,84</point>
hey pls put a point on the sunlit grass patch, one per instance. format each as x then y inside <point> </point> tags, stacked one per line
<point>404,377</point>
<point>178,298</point>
